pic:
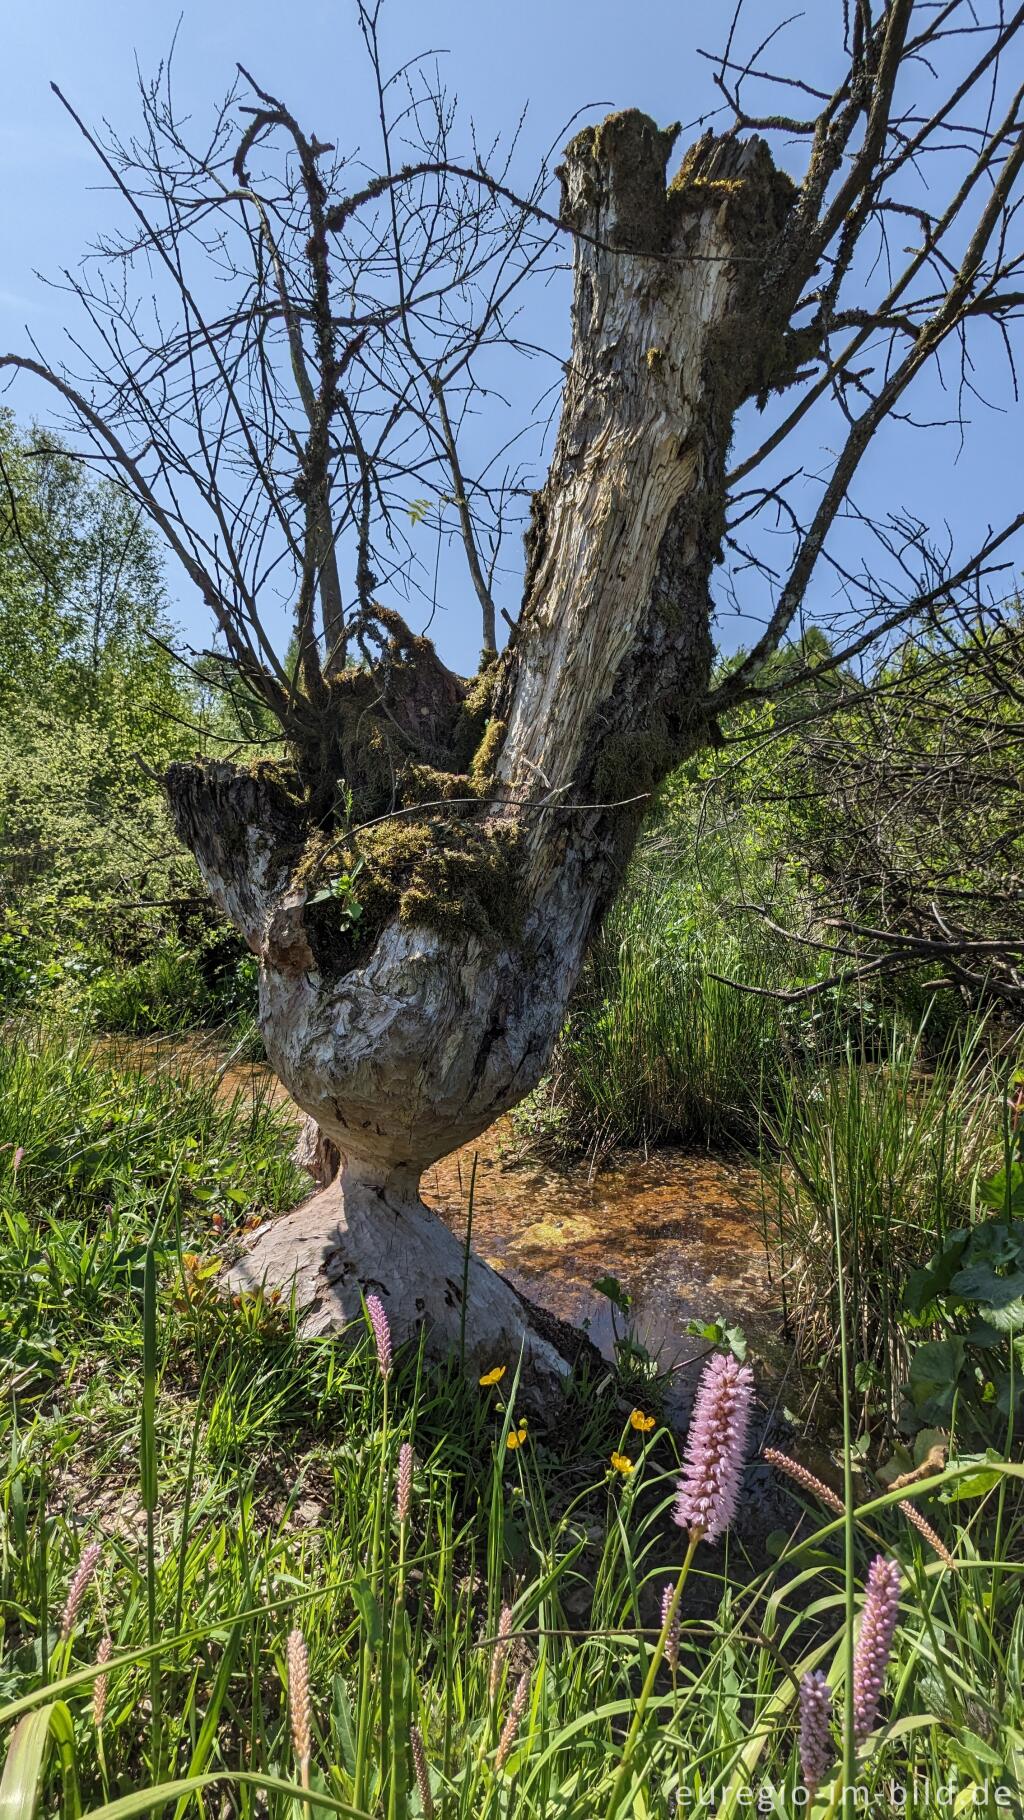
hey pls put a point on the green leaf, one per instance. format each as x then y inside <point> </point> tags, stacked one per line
<point>979,1332</point>
<point>935,1373</point>
<point>925,1286</point>
<point>1003,1192</point>
<point>893,1468</point>
<point>982,1283</point>
<point>977,1748</point>
<point>975,1485</point>
<point>208,1731</point>
<point>1009,1319</point>
<point>705,1330</point>
<point>368,1609</point>
<point>612,1288</point>
<point>344,1726</point>
<point>24,1775</point>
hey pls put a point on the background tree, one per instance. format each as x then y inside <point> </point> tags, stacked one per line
<point>90,867</point>
<point>420,881</point>
<point>907,819</point>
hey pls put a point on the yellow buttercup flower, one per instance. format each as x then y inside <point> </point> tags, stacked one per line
<point>495,1375</point>
<point>639,1421</point>
<point>622,1463</point>
<point>516,1437</point>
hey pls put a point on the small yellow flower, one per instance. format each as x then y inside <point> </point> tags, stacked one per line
<point>495,1375</point>
<point>517,1436</point>
<point>643,1424</point>
<point>622,1463</point>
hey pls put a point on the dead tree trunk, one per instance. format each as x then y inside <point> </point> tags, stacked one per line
<point>406,1032</point>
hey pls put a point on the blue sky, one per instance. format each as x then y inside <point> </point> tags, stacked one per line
<point>556,55</point>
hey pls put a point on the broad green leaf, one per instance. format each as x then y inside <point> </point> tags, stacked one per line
<point>612,1288</point>
<point>926,1285</point>
<point>935,1372</point>
<point>1004,1193</point>
<point>28,1754</point>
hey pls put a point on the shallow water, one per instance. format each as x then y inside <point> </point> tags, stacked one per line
<point>680,1230</point>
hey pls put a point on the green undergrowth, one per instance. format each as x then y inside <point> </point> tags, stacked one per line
<point>897,1154</point>
<point>241,1484</point>
<point>97,1140</point>
<point>661,1044</point>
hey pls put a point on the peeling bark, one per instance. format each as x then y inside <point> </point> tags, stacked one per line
<point>417,1045</point>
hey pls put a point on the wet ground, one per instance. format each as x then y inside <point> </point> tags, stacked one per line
<point>682,1232</point>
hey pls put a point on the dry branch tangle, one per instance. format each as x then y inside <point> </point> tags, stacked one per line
<point>419,1047</point>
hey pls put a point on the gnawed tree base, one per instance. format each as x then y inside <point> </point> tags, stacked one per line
<point>360,1236</point>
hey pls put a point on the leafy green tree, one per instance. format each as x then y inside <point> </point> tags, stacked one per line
<point>92,705</point>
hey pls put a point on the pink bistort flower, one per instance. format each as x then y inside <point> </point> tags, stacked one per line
<point>874,1641</point>
<point>816,1750</point>
<point>76,1592</point>
<point>403,1492</point>
<point>381,1333</point>
<point>715,1449</point>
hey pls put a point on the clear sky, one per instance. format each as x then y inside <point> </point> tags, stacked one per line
<point>556,55</point>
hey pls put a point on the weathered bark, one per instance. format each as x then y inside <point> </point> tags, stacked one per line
<point>411,1046</point>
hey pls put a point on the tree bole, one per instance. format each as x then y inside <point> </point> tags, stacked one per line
<point>407,1041</point>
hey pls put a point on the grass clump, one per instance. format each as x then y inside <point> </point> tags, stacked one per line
<point>887,1152</point>
<point>659,1045</point>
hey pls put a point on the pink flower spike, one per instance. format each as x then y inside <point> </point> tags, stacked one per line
<point>499,1652</point>
<point>99,1686</point>
<point>77,1590</point>
<point>18,1158</point>
<point>419,1763</point>
<point>297,1659</point>
<point>511,1725</point>
<point>672,1635</point>
<point>716,1448</point>
<point>403,1494</point>
<point>874,1642</point>
<point>816,1749</point>
<point>381,1333</point>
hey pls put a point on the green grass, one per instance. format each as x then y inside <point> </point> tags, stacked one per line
<point>102,1141</point>
<point>658,1046</point>
<point>243,1484</point>
<point>173,988</point>
<point>891,1150</point>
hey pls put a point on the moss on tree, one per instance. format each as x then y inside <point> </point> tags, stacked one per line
<point>366,799</point>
